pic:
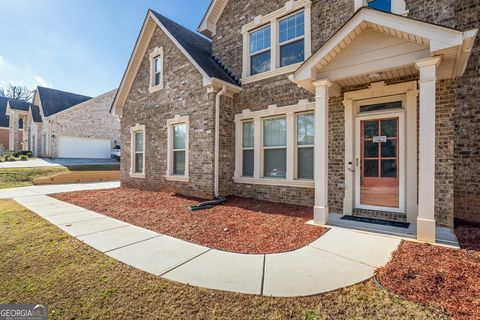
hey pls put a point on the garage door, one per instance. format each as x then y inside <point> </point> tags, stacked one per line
<point>74,147</point>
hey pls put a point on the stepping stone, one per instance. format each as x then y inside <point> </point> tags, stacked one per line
<point>222,271</point>
<point>87,227</point>
<point>373,250</point>
<point>116,238</point>
<point>310,271</point>
<point>157,255</point>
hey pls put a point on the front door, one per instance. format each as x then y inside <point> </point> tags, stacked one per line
<point>378,163</point>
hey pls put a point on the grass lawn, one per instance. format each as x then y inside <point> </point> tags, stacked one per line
<point>41,264</point>
<point>21,177</point>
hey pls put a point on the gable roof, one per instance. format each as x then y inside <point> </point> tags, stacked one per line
<point>3,112</point>
<point>209,21</point>
<point>53,101</point>
<point>196,48</point>
<point>19,105</point>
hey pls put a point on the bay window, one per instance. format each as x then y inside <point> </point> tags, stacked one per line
<point>260,54</point>
<point>305,144</point>
<point>247,149</point>
<point>291,39</point>
<point>275,147</point>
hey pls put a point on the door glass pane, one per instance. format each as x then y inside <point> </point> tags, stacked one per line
<point>370,168</point>
<point>247,163</point>
<point>139,141</point>
<point>275,163</point>
<point>260,63</point>
<point>292,53</point>
<point>389,149</point>
<point>248,134</point>
<point>138,162</point>
<point>179,136</point>
<point>370,149</point>
<point>370,129</point>
<point>305,129</point>
<point>275,132</point>
<point>389,168</point>
<point>305,163</point>
<point>389,128</point>
<point>381,106</point>
<point>179,163</point>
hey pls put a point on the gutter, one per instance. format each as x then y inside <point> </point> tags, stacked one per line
<point>217,137</point>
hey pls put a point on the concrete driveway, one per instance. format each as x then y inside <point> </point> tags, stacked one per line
<point>45,162</point>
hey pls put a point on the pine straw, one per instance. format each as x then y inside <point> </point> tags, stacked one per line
<point>240,225</point>
<point>468,234</point>
<point>448,278</point>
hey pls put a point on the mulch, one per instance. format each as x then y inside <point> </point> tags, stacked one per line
<point>240,225</point>
<point>468,235</point>
<point>448,278</point>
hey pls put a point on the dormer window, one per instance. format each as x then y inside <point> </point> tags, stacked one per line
<point>260,55</point>
<point>384,5</point>
<point>292,46</point>
<point>156,70</point>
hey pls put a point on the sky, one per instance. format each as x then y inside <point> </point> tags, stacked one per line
<point>80,46</point>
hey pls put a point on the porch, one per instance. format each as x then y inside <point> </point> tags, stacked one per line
<point>387,69</point>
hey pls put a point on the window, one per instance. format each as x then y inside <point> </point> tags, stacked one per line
<point>156,70</point>
<point>137,167</point>
<point>384,5</point>
<point>291,39</point>
<point>275,147</point>
<point>177,152</point>
<point>305,145</point>
<point>260,54</point>
<point>247,149</point>
<point>179,148</point>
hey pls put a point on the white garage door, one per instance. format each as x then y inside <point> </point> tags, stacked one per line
<point>74,147</point>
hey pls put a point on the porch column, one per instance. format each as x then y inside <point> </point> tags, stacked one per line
<point>426,173</point>
<point>13,131</point>
<point>321,151</point>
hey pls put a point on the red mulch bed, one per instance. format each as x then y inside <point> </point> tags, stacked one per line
<point>448,278</point>
<point>240,225</point>
<point>468,235</point>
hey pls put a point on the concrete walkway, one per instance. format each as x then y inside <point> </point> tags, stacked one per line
<point>338,259</point>
<point>45,162</point>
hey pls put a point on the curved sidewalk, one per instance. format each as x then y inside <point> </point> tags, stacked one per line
<point>338,259</point>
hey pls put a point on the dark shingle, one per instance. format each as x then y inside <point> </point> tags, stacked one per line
<point>54,101</point>
<point>36,114</point>
<point>3,110</point>
<point>199,48</point>
<point>19,105</point>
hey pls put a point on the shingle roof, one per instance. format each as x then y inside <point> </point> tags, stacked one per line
<point>3,110</point>
<point>54,101</point>
<point>199,48</point>
<point>19,105</point>
<point>36,114</point>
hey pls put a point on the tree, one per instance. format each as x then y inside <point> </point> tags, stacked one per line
<point>16,92</point>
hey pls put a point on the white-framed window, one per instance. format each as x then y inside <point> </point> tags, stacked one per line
<point>156,70</point>
<point>178,149</point>
<point>305,123</point>
<point>260,54</point>
<point>292,39</point>
<point>137,160</point>
<point>289,32</point>
<point>248,151</point>
<point>282,151</point>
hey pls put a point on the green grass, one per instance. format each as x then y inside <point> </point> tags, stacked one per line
<point>41,264</point>
<point>21,177</point>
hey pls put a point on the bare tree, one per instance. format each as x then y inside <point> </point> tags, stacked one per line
<point>16,92</point>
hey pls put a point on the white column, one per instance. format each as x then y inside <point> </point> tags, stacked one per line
<point>426,174</point>
<point>13,131</point>
<point>321,152</point>
<point>349,158</point>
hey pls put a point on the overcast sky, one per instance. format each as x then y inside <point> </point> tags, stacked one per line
<point>80,46</point>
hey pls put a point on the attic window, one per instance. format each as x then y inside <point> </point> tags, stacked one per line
<point>156,70</point>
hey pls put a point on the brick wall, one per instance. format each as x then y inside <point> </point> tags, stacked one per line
<point>4,137</point>
<point>183,95</point>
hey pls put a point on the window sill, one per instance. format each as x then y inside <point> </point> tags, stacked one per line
<point>276,182</point>
<point>177,178</point>
<point>271,73</point>
<point>137,175</point>
<point>155,88</point>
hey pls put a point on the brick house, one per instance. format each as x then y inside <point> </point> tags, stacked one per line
<point>5,124</point>
<point>61,124</point>
<point>352,107</point>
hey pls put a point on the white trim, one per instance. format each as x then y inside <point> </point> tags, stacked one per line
<point>273,19</point>
<point>257,117</point>
<point>171,123</point>
<point>156,53</point>
<point>398,6</point>
<point>133,130</point>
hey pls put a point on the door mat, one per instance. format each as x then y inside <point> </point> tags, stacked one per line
<point>398,224</point>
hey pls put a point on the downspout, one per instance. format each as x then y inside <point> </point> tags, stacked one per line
<point>217,137</point>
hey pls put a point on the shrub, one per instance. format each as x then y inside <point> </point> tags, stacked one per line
<point>10,158</point>
<point>29,154</point>
<point>23,157</point>
<point>22,153</point>
<point>1,159</point>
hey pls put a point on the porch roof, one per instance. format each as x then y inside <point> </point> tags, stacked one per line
<point>374,45</point>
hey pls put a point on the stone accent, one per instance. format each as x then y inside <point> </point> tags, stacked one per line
<point>91,119</point>
<point>182,95</point>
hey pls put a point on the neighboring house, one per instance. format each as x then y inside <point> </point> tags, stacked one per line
<point>5,137</point>
<point>65,125</point>
<point>369,111</point>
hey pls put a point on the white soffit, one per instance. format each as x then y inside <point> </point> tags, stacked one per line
<point>209,21</point>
